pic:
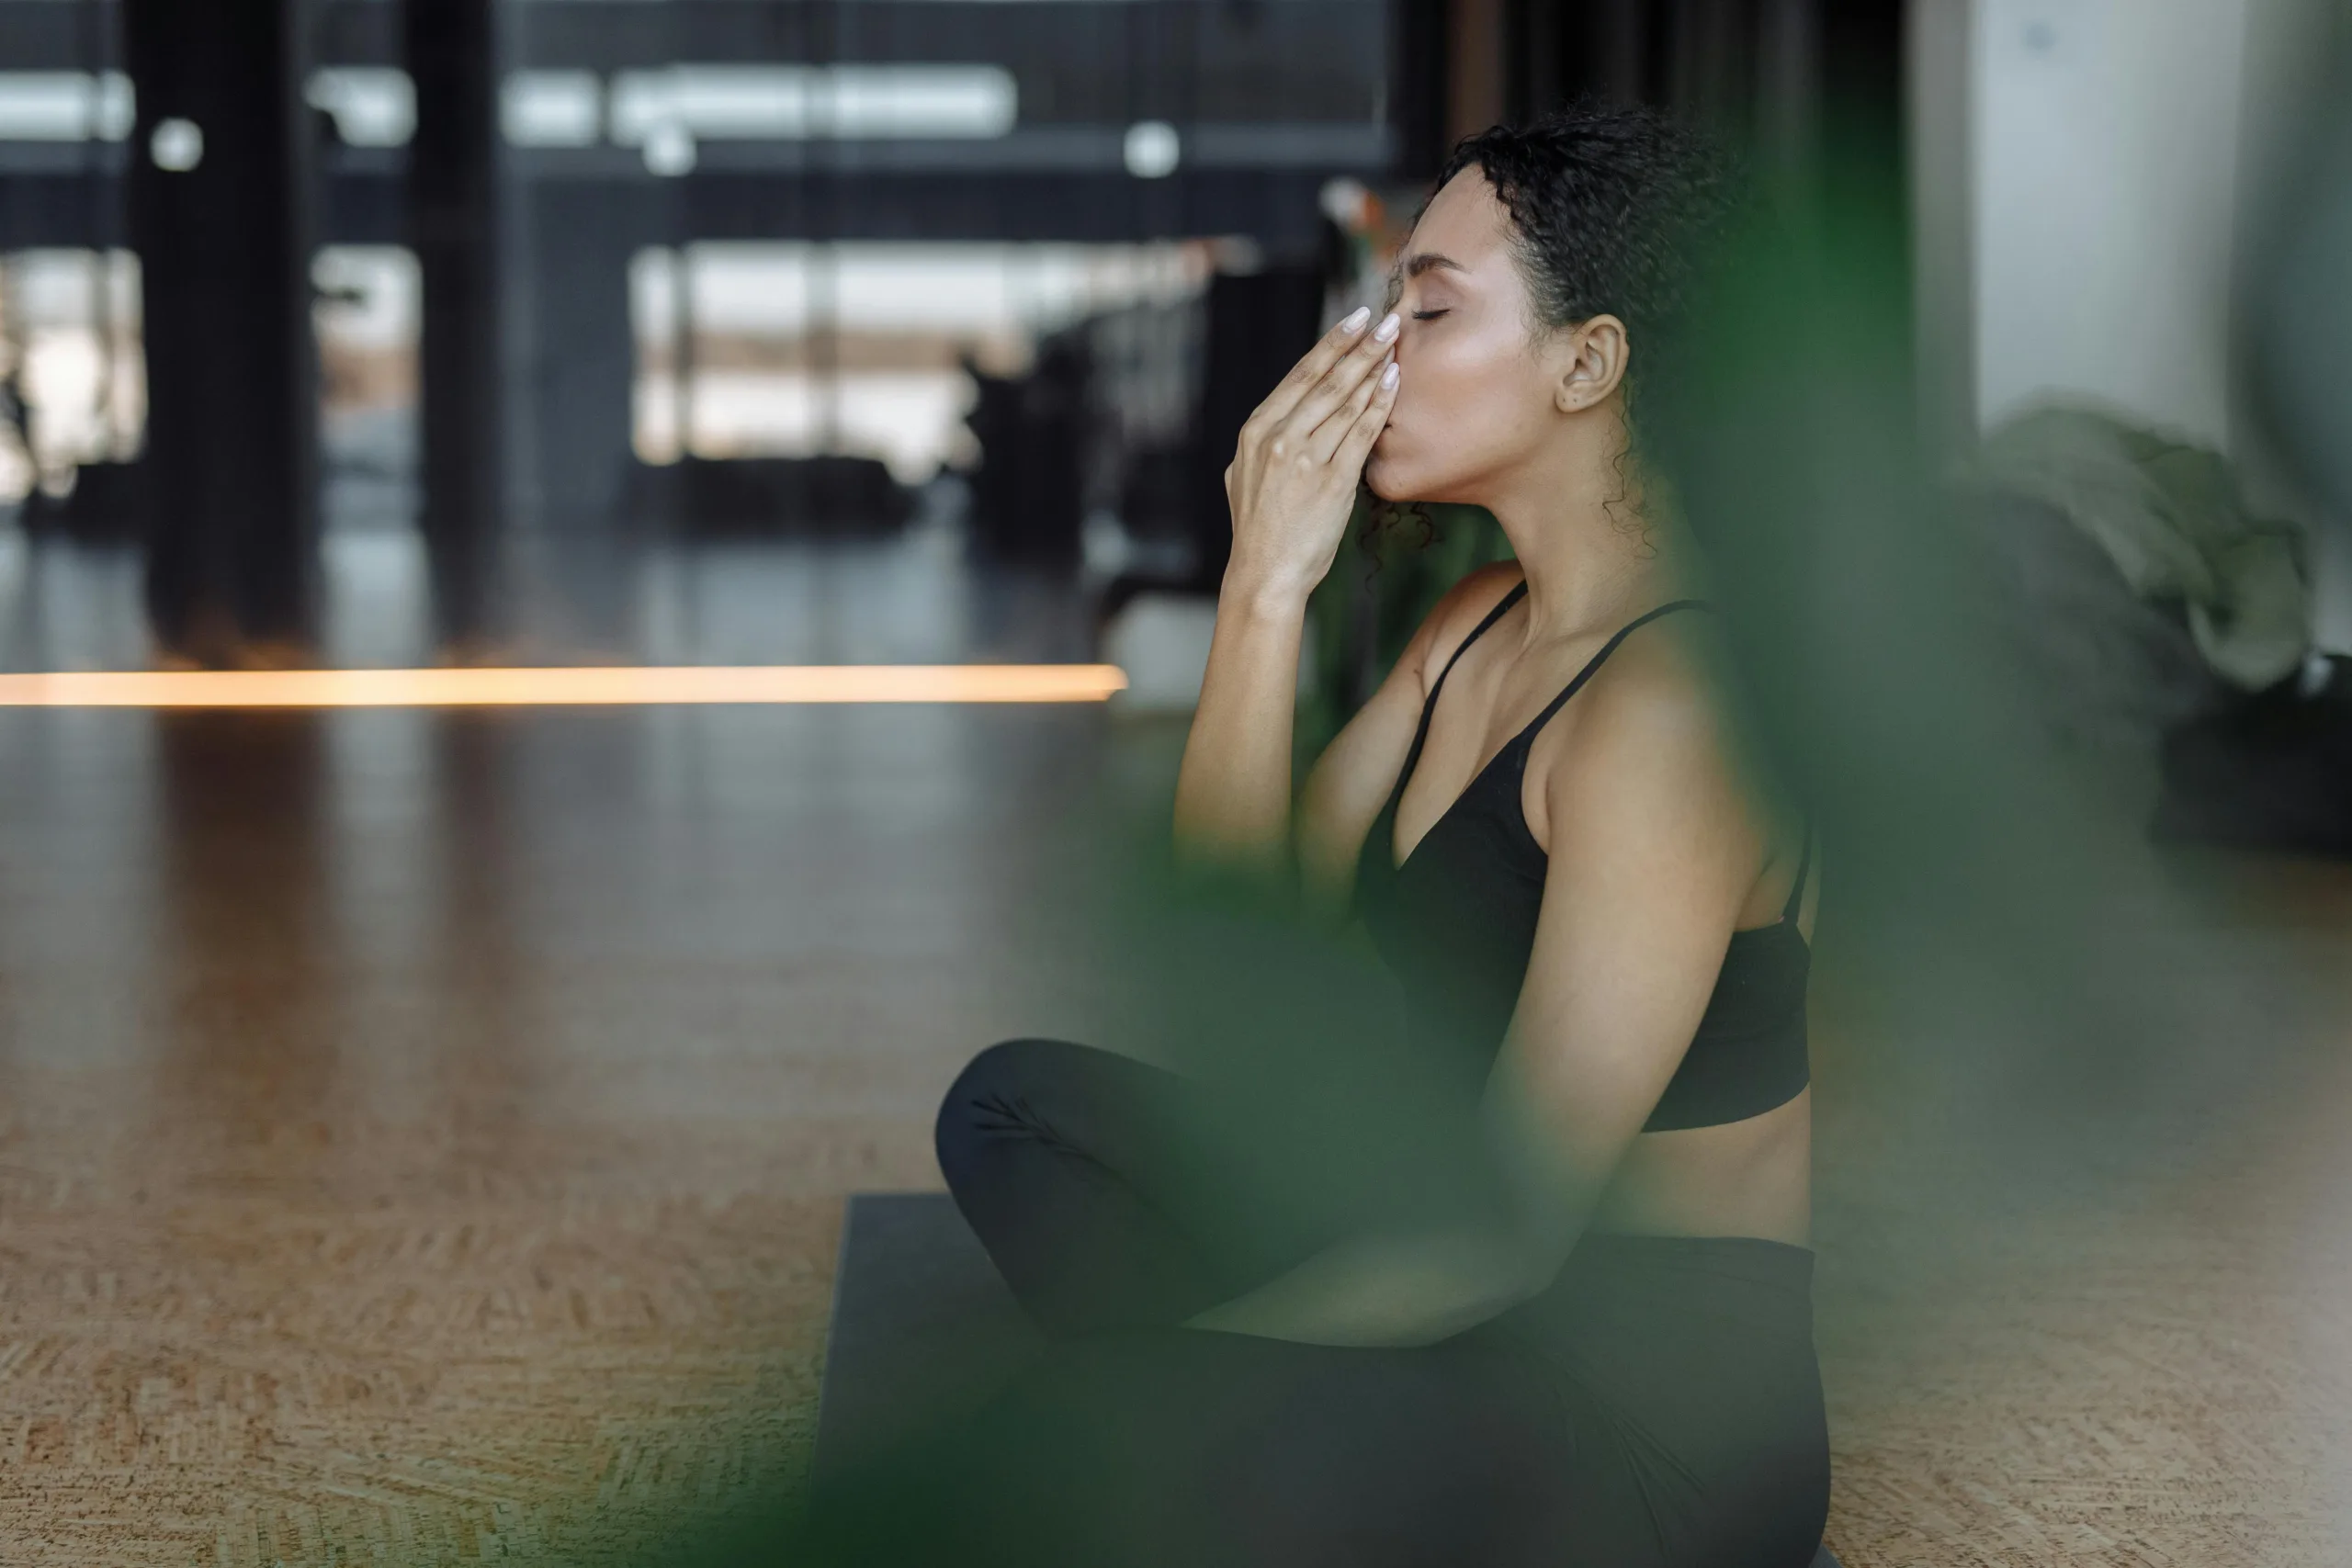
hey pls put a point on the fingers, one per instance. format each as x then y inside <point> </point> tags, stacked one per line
<point>1342,381</point>
<point>1327,352</point>
<point>1325,439</point>
<point>1346,343</point>
<point>1355,445</point>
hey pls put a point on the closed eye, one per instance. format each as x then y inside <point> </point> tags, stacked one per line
<point>1427,315</point>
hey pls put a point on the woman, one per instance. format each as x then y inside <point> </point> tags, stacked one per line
<point>1544,822</point>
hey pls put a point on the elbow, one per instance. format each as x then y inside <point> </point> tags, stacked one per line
<point>1528,1278</point>
<point>1506,1274</point>
<point>1527,1259</point>
<point>1492,1289</point>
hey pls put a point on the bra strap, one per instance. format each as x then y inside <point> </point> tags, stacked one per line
<point>1429,704</point>
<point>1518,592</point>
<point>1607,649</point>
<point>1805,864</point>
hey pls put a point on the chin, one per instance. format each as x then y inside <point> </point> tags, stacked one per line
<point>1392,475</point>
<point>1385,478</point>
<point>1391,481</point>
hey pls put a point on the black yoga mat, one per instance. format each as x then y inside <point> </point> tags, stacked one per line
<point>921,1327</point>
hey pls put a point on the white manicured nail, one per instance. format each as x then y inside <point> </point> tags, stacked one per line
<point>1355,320</point>
<point>1387,328</point>
<point>1388,377</point>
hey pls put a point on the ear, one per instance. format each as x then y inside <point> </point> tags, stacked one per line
<point>1596,352</point>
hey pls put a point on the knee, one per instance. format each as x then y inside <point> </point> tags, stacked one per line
<point>974,1109</point>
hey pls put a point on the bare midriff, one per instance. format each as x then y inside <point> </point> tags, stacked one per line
<point>1746,1177</point>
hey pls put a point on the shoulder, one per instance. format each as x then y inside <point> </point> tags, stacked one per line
<point>1456,615</point>
<point>1651,726</point>
<point>1666,676</point>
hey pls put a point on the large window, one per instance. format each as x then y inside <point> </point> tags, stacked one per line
<point>783,349</point>
<point>72,390</point>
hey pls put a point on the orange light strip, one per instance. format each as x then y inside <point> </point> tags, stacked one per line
<point>636,685</point>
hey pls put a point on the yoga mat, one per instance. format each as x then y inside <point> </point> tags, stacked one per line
<point>921,1327</point>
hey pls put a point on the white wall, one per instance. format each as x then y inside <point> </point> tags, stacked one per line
<point>1940,77</point>
<point>2105,147</point>
<point>2115,150</point>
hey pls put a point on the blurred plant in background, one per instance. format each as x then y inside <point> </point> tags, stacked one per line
<point>1393,567</point>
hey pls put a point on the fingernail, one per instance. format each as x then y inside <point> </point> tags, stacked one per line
<point>1355,320</point>
<point>1388,377</point>
<point>1387,328</point>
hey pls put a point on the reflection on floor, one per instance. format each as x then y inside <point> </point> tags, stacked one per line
<point>423,1138</point>
<point>591,599</point>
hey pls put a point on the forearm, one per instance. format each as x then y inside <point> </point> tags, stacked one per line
<point>1387,1289</point>
<point>1233,790</point>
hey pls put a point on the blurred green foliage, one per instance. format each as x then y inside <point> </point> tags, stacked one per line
<point>1381,585</point>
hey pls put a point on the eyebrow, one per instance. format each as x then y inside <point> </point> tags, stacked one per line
<point>1428,260</point>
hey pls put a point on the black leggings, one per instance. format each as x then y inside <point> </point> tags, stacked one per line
<point>1660,1404</point>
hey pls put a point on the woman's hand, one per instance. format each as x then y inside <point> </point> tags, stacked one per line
<point>1387,1290</point>
<point>1291,483</point>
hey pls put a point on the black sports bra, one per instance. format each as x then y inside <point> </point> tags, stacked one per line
<point>1456,924</point>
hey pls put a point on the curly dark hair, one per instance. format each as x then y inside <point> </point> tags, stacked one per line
<point>1614,209</point>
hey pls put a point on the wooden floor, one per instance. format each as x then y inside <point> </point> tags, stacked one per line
<point>2101,1314</point>
<point>424,1136</point>
<point>423,1140</point>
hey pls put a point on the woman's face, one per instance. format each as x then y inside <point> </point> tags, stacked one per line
<point>1475,398</point>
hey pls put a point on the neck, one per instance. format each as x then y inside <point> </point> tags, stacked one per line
<point>1593,550</point>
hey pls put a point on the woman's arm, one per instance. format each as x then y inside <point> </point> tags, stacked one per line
<point>1233,789</point>
<point>1386,1289</point>
<point>1653,848</point>
<point>1292,485</point>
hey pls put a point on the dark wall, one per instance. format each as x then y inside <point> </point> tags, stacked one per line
<point>1766,66</point>
<point>454,167</point>
<point>232,365</point>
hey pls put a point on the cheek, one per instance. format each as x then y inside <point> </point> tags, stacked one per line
<point>1469,379</point>
<point>1463,404</point>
